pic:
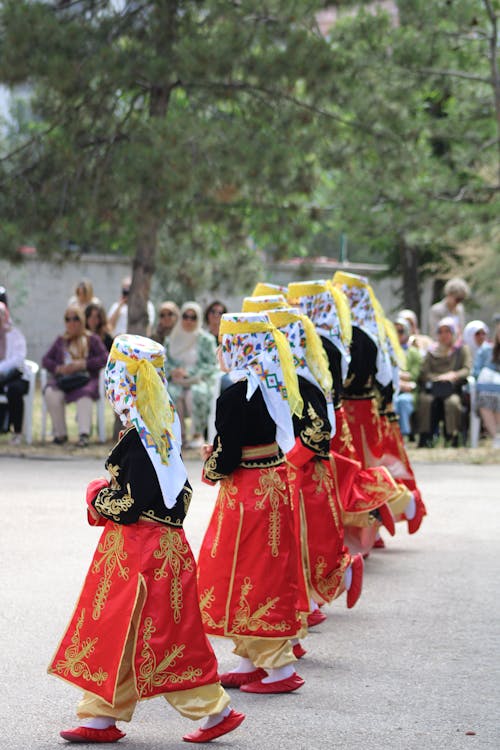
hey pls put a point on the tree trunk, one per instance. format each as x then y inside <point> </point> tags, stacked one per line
<point>409,257</point>
<point>142,271</point>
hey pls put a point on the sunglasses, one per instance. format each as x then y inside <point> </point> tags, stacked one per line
<point>216,312</point>
<point>168,314</point>
<point>189,316</point>
<point>73,319</point>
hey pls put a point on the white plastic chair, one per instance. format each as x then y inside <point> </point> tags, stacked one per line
<point>99,405</point>
<point>474,418</point>
<point>30,372</point>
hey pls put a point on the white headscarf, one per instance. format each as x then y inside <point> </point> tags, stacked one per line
<point>368,315</point>
<point>135,380</point>
<point>318,300</point>
<point>182,344</point>
<point>308,352</point>
<point>253,349</point>
<point>469,334</point>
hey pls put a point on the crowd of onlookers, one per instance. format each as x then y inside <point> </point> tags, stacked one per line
<point>433,389</point>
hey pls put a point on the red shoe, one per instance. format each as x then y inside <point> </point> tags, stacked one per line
<point>387,519</point>
<point>237,679</point>
<point>299,651</point>
<point>280,686</point>
<point>88,734</point>
<point>354,592</point>
<point>315,618</point>
<point>379,543</point>
<point>415,523</point>
<point>230,722</point>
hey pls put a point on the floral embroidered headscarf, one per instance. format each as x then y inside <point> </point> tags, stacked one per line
<point>135,381</point>
<point>368,315</point>
<point>264,288</point>
<point>329,312</point>
<point>308,353</point>
<point>253,349</point>
<point>263,302</point>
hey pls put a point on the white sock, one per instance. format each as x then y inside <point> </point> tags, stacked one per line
<point>279,673</point>
<point>313,605</point>
<point>348,578</point>
<point>212,721</point>
<point>294,641</point>
<point>245,665</point>
<point>98,722</point>
<point>411,508</point>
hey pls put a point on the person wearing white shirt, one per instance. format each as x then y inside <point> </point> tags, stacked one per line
<point>118,312</point>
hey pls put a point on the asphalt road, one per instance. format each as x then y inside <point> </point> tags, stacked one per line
<point>414,666</point>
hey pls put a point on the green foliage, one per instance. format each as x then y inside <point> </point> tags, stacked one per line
<point>216,128</point>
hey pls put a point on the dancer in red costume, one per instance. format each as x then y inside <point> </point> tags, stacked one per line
<point>371,368</point>
<point>331,568</point>
<point>365,494</point>
<point>136,631</point>
<point>249,568</point>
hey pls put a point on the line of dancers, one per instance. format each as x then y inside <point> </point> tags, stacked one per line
<point>310,466</point>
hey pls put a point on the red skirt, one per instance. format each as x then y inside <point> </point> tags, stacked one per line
<point>148,566</point>
<point>327,557</point>
<point>248,579</point>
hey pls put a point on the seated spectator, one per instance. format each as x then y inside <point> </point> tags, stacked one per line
<point>404,402</point>
<point>96,321</point>
<point>75,351</point>
<point>212,316</point>
<point>475,334</point>
<point>487,374</point>
<point>191,370</point>
<point>455,292</point>
<point>12,382</point>
<point>118,312</point>
<point>444,372</point>
<point>417,340</point>
<point>168,315</point>
<point>84,295</point>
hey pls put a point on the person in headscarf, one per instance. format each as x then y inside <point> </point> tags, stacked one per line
<point>448,362</point>
<point>365,494</point>
<point>370,372</point>
<point>136,631</point>
<point>12,377</point>
<point>249,567</point>
<point>191,371</point>
<point>487,374</point>
<point>168,315</point>
<point>475,334</point>
<point>331,569</point>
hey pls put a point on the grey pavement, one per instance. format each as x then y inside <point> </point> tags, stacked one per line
<point>414,666</point>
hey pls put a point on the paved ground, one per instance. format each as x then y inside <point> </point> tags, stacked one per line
<point>414,666</point>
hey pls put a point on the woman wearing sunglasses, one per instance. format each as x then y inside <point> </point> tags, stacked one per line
<point>75,351</point>
<point>191,369</point>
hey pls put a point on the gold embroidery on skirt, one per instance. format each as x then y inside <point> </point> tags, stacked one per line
<point>227,496</point>
<point>153,675</point>
<point>272,488</point>
<point>76,654</point>
<point>252,621</point>
<point>112,556</point>
<point>206,601</point>
<point>329,586</point>
<point>346,437</point>
<point>324,482</point>
<point>173,551</point>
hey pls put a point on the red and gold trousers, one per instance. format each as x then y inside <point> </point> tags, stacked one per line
<point>249,579</point>
<point>143,579</point>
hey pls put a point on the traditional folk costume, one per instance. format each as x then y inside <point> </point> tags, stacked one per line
<point>136,631</point>
<point>331,568</point>
<point>371,367</point>
<point>249,568</point>
<point>365,493</point>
